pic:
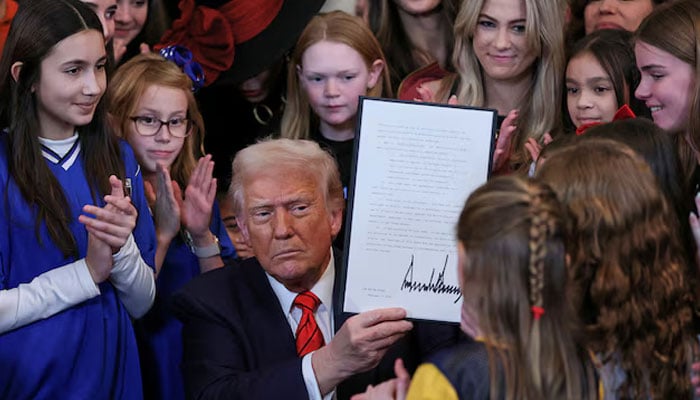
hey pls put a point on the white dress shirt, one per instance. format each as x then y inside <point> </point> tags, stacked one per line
<point>323,289</point>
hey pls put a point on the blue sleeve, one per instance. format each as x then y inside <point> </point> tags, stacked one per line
<point>4,223</point>
<point>217,227</point>
<point>144,232</point>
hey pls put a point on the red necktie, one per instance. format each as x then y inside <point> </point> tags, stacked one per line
<point>309,336</point>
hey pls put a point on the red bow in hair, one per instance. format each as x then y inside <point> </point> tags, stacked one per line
<point>624,112</point>
<point>211,34</point>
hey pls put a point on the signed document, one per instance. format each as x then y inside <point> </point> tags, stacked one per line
<point>415,165</point>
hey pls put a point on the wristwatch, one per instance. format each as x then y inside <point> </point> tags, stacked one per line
<point>210,250</point>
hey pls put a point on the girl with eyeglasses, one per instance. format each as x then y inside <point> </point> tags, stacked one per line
<point>152,106</point>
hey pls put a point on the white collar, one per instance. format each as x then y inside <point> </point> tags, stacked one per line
<point>323,289</point>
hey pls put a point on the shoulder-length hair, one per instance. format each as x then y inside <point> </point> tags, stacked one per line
<point>129,84</point>
<point>337,26</point>
<point>396,44</point>
<point>545,37</point>
<point>613,49</point>
<point>632,288</point>
<point>36,28</point>
<point>514,233</point>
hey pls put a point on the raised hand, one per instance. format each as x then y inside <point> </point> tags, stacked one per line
<point>535,148</point>
<point>165,204</point>
<point>502,152</point>
<point>359,345</point>
<point>114,222</point>
<point>199,199</point>
<point>109,230</point>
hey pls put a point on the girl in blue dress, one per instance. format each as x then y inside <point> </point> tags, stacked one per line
<point>152,106</point>
<point>75,238</point>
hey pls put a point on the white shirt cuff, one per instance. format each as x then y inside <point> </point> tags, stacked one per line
<point>307,371</point>
<point>133,279</point>
<point>46,295</point>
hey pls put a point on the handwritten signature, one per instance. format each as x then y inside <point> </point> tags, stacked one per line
<point>439,286</point>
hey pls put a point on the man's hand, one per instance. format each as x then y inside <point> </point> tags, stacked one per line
<point>358,346</point>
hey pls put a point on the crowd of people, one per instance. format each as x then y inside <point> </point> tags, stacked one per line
<point>173,186</point>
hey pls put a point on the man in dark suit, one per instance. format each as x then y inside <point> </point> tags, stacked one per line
<point>246,334</point>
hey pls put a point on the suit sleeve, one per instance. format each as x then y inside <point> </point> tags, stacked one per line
<point>219,363</point>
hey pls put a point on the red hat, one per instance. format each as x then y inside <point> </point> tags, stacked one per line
<point>237,39</point>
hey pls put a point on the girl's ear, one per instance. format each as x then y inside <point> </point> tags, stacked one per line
<point>15,69</point>
<point>299,77</point>
<point>375,71</point>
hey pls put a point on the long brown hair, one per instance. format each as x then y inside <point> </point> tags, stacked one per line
<point>628,265</point>
<point>336,26</point>
<point>131,81</point>
<point>513,231</point>
<point>396,44</point>
<point>36,28</point>
<point>675,28</point>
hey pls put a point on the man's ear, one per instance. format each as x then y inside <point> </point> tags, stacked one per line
<point>15,70</point>
<point>375,71</point>
<point>336,220</point>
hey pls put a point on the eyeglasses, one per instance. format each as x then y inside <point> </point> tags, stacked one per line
<point>149,126</point>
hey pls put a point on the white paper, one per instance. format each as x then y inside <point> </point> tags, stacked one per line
<point>416,166</point>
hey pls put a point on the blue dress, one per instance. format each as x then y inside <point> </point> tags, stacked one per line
<point>87,351</point>
<point>159,332</point>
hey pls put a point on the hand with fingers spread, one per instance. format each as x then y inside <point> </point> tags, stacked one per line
<point>502,152</point>
<point>199,200</point>
<point>358,346</point>
<point>393,389</point>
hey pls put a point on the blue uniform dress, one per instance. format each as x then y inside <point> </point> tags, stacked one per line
<point>159,332</point>
<point>87,351</point>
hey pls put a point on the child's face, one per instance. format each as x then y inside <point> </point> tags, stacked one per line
<point>590,94</point>
<point>615,14</point>
<point>164,104</point>
<point>257,88</point>
<point>71,84</point>
<point>500,42</point>
<point>130,19</point>
<point>334,75</point>
<point>105,10</point>
<point>667,86</point>
<point>228,216</point>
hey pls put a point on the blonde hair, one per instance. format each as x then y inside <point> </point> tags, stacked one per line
<point>544,33</point>
<point>337,27</point>
<point>292,155</point>
<point>129,84</point>
<point>514,232</point>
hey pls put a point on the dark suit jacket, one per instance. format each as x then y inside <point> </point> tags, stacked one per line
<point>238,343</point>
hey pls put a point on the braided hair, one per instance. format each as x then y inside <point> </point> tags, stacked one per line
<point>513,267</point>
